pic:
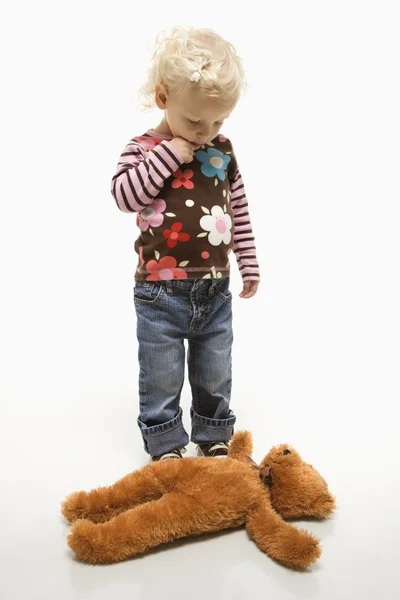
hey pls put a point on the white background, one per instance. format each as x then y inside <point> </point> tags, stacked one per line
<point>316,356</point>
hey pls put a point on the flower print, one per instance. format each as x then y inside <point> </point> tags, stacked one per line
<point>148,143</point>
<point>152,215</point>
<point>219,225</point>
<point>222,138</point>
<point>214,162</point>
<point>141,254</point>
<point>214,274</point>
<point>182,178</point>
<point>165,269</point>
<point>174,235</point>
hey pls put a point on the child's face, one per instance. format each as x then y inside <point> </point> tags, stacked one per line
<point>192,114</point>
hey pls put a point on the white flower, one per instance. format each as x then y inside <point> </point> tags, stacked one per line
<point>219,225</point>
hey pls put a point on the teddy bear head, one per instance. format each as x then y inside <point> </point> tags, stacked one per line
<point>279,457</point>
<point>282,456</point>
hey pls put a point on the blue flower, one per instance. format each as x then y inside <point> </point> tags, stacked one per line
<point>214,162</point>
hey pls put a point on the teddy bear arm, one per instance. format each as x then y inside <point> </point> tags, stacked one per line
<point>281,541</point>
<point>241,446</point>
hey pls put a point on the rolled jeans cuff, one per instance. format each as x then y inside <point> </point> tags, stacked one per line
<point>164,437</point>
<point>206,430</point>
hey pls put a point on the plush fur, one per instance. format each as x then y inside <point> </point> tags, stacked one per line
<point>172,499</point>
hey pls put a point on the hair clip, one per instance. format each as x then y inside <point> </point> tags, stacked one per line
<point>195,76</point>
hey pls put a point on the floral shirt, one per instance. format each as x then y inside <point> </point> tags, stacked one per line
<point>190,215</point>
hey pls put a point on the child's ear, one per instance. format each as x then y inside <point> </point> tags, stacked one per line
<point>161,96</point>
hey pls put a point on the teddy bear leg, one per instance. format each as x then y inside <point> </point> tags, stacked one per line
<point>132,532</point>
<point>295,548</point>
<point>104,503</point>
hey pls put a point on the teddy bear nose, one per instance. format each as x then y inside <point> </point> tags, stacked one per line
<point>287,452</point>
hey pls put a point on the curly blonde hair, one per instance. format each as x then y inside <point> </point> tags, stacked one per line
<point>187,50</point>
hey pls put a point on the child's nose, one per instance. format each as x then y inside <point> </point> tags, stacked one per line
<point>203,135</point>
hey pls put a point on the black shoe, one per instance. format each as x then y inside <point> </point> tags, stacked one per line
<point>216,449</point>
<point>177,453</point>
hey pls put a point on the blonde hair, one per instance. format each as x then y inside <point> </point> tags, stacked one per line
<point>184,51</point>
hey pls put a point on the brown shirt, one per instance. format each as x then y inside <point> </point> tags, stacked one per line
<point>190,215</point>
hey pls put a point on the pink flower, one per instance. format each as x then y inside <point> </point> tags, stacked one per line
<point>165,269</point>
<point>173,235</point>
<point>183,179</point>
<point>148,143</point>
<point>151,215</point>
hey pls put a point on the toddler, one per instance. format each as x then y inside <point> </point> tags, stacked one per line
<point>183,182</point>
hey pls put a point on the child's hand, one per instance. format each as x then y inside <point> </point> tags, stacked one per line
<point>249,289</point>
<point>186,149</point>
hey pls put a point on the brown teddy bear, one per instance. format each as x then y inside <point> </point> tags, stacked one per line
<point>172,499</point>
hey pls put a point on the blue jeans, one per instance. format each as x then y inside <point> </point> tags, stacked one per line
<point>168,311</point>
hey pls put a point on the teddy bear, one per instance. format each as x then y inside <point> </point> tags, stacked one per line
<point>171,499</point>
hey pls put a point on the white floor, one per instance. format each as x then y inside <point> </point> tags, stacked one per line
<point>45,457</point>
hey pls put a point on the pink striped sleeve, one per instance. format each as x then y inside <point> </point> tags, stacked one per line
<point>243,238</point>
<point>140,177</point>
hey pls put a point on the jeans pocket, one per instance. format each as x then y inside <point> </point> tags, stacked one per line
<point>222,289</point>
<point>147,292</point>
